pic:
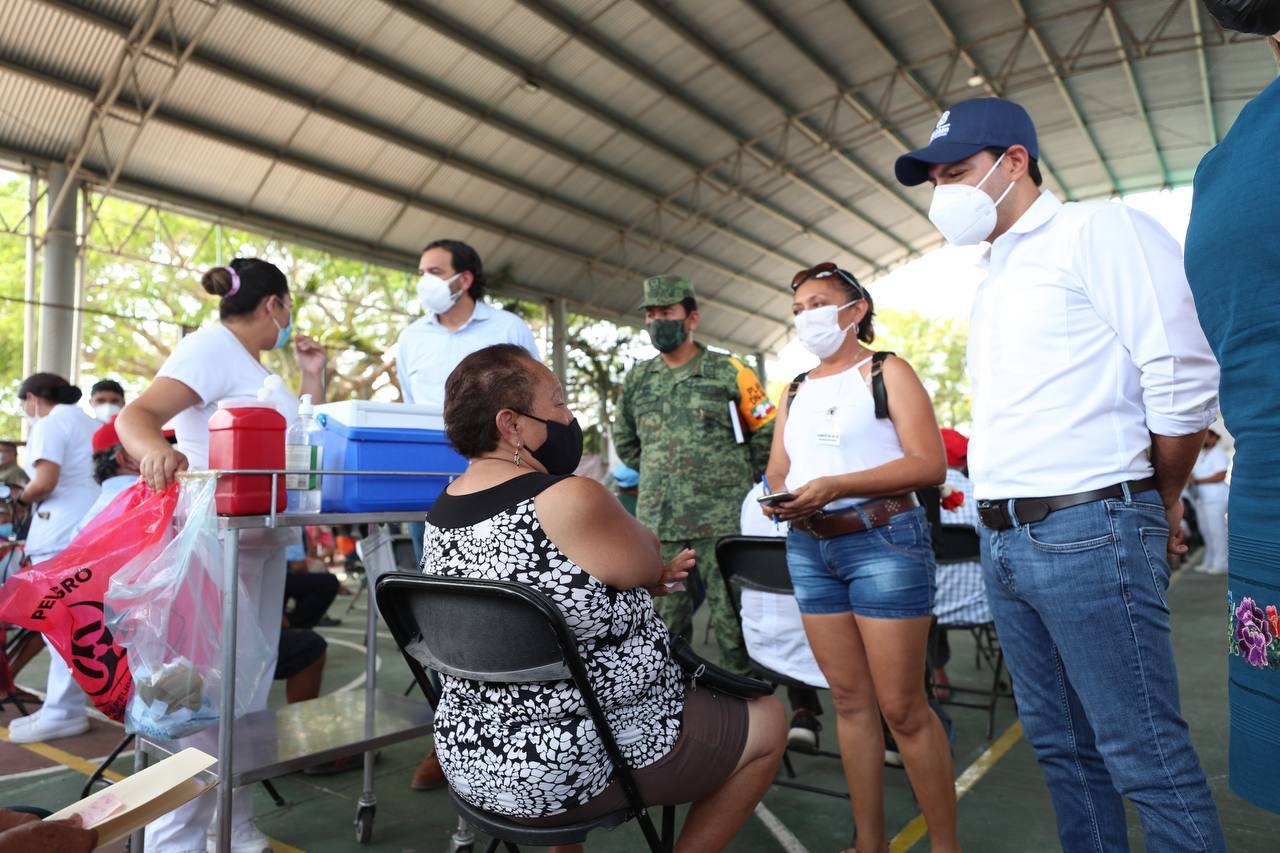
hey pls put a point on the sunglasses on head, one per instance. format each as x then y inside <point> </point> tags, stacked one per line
<point>827,270</point>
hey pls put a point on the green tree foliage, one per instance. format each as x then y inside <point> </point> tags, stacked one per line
<point>142,294</point>
<point>936,349</point>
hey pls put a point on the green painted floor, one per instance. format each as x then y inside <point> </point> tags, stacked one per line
<point>1006,809</point>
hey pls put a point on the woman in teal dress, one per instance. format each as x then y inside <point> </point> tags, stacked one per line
<point>1233,264</point>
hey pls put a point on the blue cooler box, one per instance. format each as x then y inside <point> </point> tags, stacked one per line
<point>383,449</point>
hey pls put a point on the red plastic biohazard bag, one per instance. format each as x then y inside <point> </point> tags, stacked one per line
<point>62,598</point>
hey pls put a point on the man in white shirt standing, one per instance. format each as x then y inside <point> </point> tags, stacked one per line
<point>1092,388</point>
<point>1209,480</point>
<point>456,323</point>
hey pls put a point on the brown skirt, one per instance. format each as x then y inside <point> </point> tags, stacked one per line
<point>713,733</point>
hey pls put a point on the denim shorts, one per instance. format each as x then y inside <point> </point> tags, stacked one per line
<point>884,573</point>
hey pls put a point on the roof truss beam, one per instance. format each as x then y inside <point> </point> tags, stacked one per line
<point>465,36</point>
<point>364,183</point>
<point>1060,83</point>
<point>678,25</point>
<point>1116,26</point>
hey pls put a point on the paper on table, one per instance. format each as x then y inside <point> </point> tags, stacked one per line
<point>141,798</point>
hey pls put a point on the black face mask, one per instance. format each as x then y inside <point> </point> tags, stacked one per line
<point>562,451</point>
<point>1260,17</point>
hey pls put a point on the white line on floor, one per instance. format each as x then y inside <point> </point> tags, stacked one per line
<point>785,837</point>
<point>359,679</point>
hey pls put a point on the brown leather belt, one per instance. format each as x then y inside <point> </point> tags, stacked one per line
<point>827,525</point>
<point>995,514</point>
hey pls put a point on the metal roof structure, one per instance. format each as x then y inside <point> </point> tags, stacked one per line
<point>586,144</point>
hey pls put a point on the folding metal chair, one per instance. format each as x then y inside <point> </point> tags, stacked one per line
<point>503,632</point>
<point>959,543</point>
<point>760,563</point>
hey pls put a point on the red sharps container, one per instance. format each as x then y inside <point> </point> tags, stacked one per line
<point>247,434</point>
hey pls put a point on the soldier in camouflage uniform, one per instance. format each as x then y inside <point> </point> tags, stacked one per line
<point>697,425</point>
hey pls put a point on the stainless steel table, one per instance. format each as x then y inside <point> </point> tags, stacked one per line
<point>270,743</point>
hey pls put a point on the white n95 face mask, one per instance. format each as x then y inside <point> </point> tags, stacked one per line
<point>965,214</point>
<point>434,293</point>
<point>819,329</point>
<point>105,411</point>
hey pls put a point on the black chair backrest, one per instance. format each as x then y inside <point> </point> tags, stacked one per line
<point>755,562</point>
<point>402,553</point>
<point>956,543</point>
<point>483,630</point>
<point>494,631</point>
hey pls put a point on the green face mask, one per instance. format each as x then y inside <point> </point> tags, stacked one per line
<point>666,335</point>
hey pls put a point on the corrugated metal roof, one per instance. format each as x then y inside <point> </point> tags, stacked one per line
<point>585,143</point>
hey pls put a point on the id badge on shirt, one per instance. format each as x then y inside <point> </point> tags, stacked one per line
<point>829,430</point>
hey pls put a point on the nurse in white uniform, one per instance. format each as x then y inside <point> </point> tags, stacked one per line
<point>222,361</point>
<point>59,461</point>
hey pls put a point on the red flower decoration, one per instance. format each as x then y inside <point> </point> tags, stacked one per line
<point>952,499</point>
<point>1274,618</point>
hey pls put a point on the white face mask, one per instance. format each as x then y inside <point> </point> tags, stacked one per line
<point>965,214</point>
<point>434,293</point>
<point>819,329</point>
<point>105,411</point>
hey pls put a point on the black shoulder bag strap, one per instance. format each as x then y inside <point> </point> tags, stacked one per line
<point>879,393</point>
<point>794,387</point>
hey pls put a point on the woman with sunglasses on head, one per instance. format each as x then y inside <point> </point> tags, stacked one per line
<point>859,550</point>
<point>218,362</point>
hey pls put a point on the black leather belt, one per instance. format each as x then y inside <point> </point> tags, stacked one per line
<point>995,514</point>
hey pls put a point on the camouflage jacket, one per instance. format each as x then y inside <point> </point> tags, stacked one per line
<point>679,428</point>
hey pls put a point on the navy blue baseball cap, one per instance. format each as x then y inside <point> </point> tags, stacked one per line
<point>964,130</point>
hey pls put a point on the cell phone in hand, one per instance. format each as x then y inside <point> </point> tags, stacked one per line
<point>775,498</point>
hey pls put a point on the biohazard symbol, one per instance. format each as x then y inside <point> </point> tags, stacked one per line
<point>93,651</point>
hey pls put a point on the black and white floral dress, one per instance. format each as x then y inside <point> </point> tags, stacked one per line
<point>531,750</point>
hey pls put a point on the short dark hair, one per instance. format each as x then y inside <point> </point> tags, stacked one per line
<point>484,383</point>
<point>12,445</point>
<point>105,464</point>
<point>51,387</point>
<point>259,280</point>
<point>463,258</point>
<point>1033,168</point>
<point>108,385</point>
<point>690,305</point>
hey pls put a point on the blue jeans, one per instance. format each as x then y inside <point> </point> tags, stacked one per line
<point>886,572</point>
<point>1079,605</point>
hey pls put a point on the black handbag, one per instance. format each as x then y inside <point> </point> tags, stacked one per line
<point>703,673</point>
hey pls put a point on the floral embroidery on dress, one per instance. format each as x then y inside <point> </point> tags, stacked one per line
<point>1254,632</point>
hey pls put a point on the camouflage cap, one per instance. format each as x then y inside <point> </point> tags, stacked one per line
<point>666,290</point>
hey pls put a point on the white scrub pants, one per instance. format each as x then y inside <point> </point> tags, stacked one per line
<point>262,572</point>
<point>1212,518</point>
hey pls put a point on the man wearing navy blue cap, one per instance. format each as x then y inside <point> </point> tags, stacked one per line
<point>1092,387</point>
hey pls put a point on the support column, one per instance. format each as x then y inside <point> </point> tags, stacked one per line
<point>77,317</point>
<point>760,374</point>
<point>29,329</point>
<point>559,330</point>
<point>58,292</point>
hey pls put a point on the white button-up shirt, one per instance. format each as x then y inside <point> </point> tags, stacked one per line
<point>428,352</point>
<point>1083,341</point>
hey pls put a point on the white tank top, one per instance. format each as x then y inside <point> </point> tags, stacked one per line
<point>832,428</point>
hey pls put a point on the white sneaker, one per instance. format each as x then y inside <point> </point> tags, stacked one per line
<point>42,729</point>
<point>1215,570</point>
<point>22,722</point>
<point>245,838</point>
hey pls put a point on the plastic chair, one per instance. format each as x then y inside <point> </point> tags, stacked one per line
<point>760,563</point>
<point>503,632</point>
